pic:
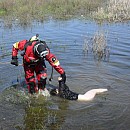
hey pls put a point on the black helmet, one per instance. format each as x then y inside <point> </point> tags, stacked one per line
<point>40,50</point>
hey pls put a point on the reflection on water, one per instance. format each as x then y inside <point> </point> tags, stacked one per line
<point>109,111</point>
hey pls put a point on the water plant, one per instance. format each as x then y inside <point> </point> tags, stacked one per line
<point>97,45</point>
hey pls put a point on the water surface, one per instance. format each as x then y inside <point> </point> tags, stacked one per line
<point>108,111</point>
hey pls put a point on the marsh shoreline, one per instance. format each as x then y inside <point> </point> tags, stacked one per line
<point>26,11</point>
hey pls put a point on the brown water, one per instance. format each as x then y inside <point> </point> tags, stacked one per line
<point>108,111</point>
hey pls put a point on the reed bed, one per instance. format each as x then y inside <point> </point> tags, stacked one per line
<point>115,11</point>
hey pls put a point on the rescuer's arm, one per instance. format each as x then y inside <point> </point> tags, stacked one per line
<point>54,62</point>
<point>16,47</point>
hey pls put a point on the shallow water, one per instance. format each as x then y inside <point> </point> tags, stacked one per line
<point>108,111</point>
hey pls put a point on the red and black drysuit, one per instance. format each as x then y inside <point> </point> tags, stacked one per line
<point>32,63</point>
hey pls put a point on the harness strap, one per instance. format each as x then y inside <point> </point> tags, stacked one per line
<point>29,43</point>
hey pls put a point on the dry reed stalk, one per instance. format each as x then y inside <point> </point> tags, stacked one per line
<point>97,45</point>
<point>116,10</point>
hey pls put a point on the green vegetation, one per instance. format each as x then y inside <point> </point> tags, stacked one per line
<point>2,12</point>
<point>25,11</point>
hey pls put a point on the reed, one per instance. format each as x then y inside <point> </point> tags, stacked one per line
<point>97,45</point>
<point>115,10</point>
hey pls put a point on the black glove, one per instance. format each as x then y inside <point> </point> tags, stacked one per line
<point>14,60</point>
<point>63,77</point>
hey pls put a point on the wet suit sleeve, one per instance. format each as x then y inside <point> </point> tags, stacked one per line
<point>64,92</point>
<point>53,61</point>
<point>18,46</point>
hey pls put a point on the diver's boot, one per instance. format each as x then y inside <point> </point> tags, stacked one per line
<point>31,87</point>
<point>42,90</point>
